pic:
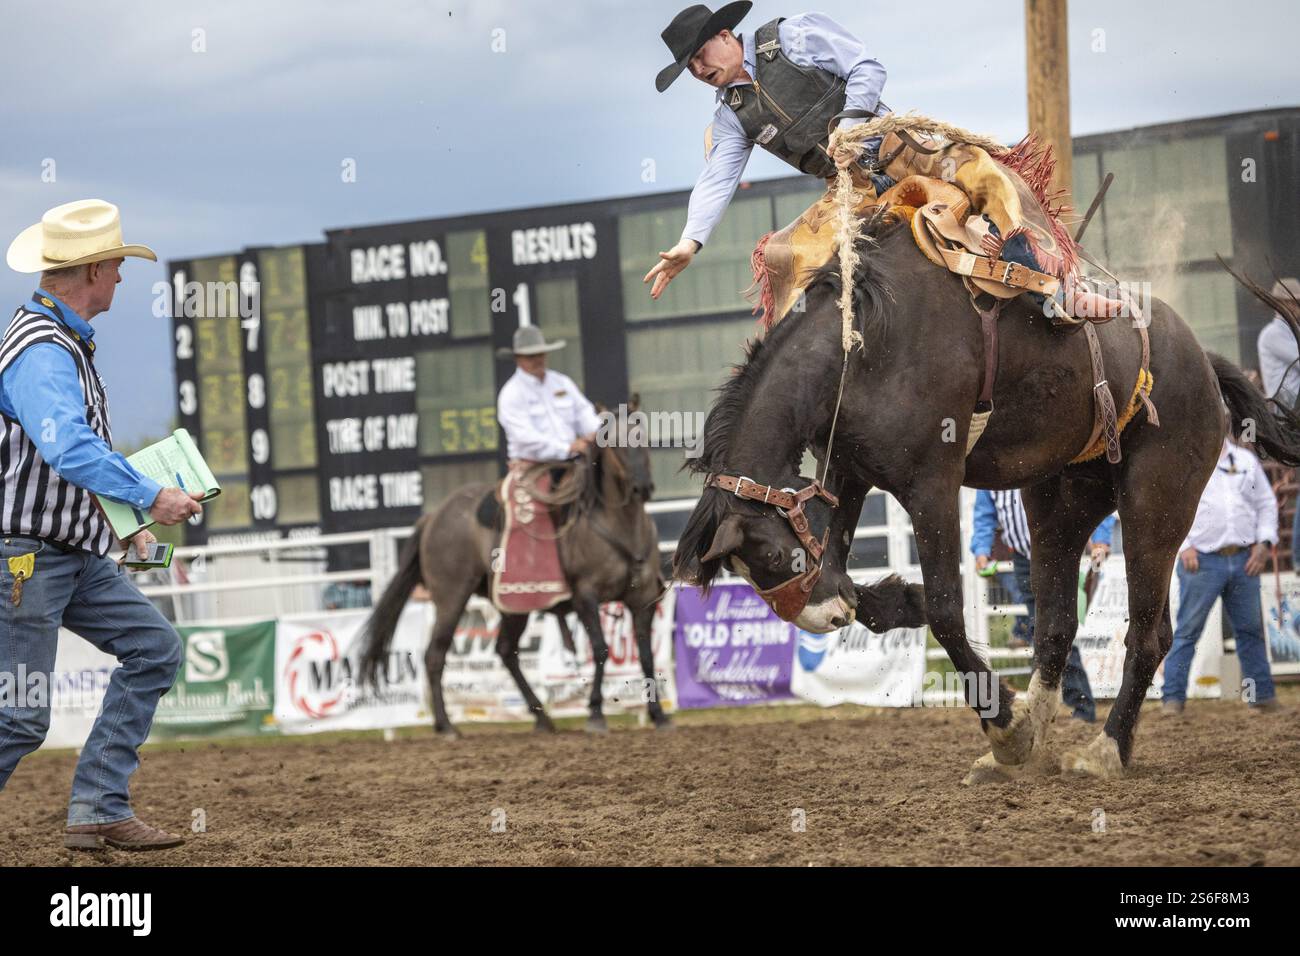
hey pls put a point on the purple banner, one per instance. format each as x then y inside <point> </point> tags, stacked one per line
<point>730,648</point>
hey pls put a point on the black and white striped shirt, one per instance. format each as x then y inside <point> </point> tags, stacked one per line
<point>34,500</point>
<point>1012,521</point>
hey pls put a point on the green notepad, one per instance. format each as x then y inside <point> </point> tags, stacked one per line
<point>174,462</point>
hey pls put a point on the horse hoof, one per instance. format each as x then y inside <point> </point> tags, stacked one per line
<point>1014,743</point>
<point>1099,759</point>
<point>1044,702</point>
<point>988,770</point>
<point>664,722</point>
<point>596,725</point>
<point>446,733</point>
<point>544,727</point>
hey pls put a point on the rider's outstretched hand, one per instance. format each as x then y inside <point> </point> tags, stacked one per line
<point>670,264</point>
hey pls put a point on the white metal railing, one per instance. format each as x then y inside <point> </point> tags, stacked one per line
<point>279,577</point>
<point>255,579</point>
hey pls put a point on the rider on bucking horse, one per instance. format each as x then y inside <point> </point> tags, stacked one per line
<point>782,87</point>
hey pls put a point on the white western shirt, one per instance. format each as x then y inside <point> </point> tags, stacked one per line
<point>1237,507</point>
<point>542,417</point>
<point>1277,356</point>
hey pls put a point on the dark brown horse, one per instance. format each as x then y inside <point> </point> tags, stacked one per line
<point>902,427</point>
<point>609,552</point>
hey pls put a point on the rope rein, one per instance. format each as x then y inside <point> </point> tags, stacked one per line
<point>848,225</point>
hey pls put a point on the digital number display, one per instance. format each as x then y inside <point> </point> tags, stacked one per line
<point>222,389</point>
<point>461,430</point>
<point>287,338</point>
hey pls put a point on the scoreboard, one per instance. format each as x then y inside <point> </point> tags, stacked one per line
<point>352,384</point>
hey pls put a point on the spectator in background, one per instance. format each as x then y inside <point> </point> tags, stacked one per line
<point>1222,556</point>
<point>1278,352</point>
<point>1005,511</point>
<point>1279,370</point>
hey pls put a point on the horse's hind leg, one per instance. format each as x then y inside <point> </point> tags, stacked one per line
<point>1158,496</point>
<point>588,611</point>
<point>1063,512</point>
<point>512,628</point>
<point>447,615</point>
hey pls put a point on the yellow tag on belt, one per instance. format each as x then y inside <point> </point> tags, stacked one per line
<point>23,565</point>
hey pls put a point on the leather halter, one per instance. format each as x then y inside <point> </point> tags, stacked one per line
<point>789,598</point>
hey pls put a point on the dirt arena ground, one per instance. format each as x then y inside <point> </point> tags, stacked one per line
<point>1217,786</point>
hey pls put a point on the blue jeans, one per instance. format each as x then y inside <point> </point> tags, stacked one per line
<point>1218,576</point>
<point>1075,689</point>
<point>92,597</point>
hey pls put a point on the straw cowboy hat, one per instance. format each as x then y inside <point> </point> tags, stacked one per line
<point>529,340</point>
<point>690,30</point>
<point>74,234</point>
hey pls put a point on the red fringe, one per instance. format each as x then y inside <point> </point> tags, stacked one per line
<point>762,288</point>
<point>1034,161</point>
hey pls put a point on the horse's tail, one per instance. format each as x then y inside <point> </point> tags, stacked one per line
<point>377,633</point>
<point>1255,419</point>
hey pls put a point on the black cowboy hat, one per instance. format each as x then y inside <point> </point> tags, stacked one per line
<point>690,30</point>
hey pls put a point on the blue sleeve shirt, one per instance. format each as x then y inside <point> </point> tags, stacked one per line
<point>985,522</point>
<point>1105,532</point>
<point>808,39</point>
<point>42,391</point>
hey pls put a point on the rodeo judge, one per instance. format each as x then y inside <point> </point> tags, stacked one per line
<point>543,412</point>
<point>55,452</point>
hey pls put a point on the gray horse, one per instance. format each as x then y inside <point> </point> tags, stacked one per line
<point>609,551</point>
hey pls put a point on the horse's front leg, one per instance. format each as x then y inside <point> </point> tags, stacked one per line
<point>588,610</point>
<point>936,522</point>
<point>885,604</point>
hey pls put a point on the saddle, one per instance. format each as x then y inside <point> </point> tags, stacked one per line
<point>526,573</point>
<point>937,189</point>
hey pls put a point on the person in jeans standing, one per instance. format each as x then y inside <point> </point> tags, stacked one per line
<point>1222,557</point>
<point>1006,511</point>
<point>56,454</point>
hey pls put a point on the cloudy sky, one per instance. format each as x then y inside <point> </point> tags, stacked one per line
<point>242,143</point>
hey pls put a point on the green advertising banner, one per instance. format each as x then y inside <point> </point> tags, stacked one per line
<point>226,684</point>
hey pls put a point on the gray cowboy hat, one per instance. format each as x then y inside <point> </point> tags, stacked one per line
<point>690,30</point>
<point>529,340</point>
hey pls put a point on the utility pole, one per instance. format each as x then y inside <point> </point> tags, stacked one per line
<point>1048,79</point>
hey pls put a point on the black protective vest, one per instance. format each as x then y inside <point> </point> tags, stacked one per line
<point>789,108</point>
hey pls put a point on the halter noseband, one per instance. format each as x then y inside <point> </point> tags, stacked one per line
<point>790,597</point>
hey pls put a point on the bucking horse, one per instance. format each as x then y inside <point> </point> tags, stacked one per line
<point>907,400</point>
<point>608,548</point>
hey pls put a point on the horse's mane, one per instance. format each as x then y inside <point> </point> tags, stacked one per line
<point>870,291</point>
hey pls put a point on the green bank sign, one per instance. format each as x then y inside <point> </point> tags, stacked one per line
<point>226,685</point>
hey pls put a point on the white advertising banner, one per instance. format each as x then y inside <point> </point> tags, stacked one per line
<point>1100,639</point>
<point>853,665</point>
<point>564,679</point>
<point>316,666</point>
<point>77,688</point>
<point>1281,600</point>
<point>479,688</point>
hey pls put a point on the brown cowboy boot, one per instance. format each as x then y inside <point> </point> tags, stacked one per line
<point>129,834</point>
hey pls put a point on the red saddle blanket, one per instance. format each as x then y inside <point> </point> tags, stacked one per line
<point>526,573</point>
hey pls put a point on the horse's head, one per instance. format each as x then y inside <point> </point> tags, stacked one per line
<point>637,451</point>
<point>626,458</point>
<point>777,546</point>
